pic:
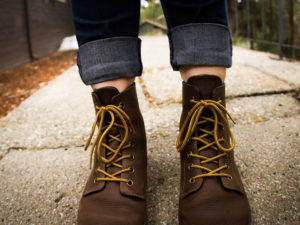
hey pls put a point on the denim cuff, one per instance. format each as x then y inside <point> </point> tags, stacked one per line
<point>201,44</point>
<point>109,59</point>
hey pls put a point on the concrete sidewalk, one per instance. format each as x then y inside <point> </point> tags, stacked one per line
<point>44,168</point>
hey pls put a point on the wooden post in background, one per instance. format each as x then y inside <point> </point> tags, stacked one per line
<point>280,26</point>
<point>231,13</point>
<point>254,21</point>
<point>242,18</point>
<point>271,20</point>
<point>236,13</point>
<point>249,23</point>
<point>262,14</point>
<point>292,32</point>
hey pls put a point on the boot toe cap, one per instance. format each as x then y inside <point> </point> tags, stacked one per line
<point>229,209</point>
<point>98,210</point>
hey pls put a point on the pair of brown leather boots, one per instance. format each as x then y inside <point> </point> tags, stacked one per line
<point>211,191</point>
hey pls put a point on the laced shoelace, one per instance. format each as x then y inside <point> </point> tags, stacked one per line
<point>192,121</point>
<point>103,131</point>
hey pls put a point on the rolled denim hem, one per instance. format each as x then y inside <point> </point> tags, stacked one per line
<point>109,59</point>
<point>201,44</point>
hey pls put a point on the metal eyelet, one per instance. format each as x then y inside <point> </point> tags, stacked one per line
<point>131,169</point>
<point>188,154</point>
<point>130,130</point>
<point>131,157</point>
<point>95,181</point>
<point>130,183</point>
<point>227,166</point>
<point>229,178</point>
<point>132,145</point>
<point>122,105</point>
<point>190,166</point>
<point>192,180</point>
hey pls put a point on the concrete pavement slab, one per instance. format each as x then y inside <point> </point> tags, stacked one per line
<point>155,52</point>
<point>44,187</point>
<point>52,117</point>
<point>269,64</point>
<point>268,155</point>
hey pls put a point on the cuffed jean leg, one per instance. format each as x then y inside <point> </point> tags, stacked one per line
<point>107,35</point>
<point>198,32</point>
<point>109,59</point>
<point>200,44</point>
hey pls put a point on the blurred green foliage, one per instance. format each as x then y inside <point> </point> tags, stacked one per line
<point>152,11</point>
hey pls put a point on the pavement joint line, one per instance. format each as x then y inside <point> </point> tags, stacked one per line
<point>152,101</point>
<point>146,93</point>
<point>14,148</point>
<point>269,74</point>
<point>293,90</point>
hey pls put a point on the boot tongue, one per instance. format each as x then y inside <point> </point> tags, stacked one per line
<point>205,84</point>
<point>106,94</point>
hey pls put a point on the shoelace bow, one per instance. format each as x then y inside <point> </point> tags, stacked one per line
<point>193,119</point>
<point>103,132</point>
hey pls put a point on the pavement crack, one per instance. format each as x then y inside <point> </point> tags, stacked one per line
<point>269,74</point>
<point>146,92</point>
<point>294,90</point>
<point>16,148</point>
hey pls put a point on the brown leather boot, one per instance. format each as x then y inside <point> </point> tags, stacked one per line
<point>211,190</point>
<point>115,192</point>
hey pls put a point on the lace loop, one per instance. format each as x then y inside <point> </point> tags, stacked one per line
<point>103,132</point>
<point>193,120</point>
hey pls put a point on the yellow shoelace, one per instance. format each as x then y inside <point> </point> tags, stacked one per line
<point>103,131</point>
<point>193,119</point>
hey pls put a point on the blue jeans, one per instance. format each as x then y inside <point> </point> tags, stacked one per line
<point>109,47</point>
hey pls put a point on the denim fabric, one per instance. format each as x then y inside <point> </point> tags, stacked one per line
<point>109,59</point>
<point>180,12</point>
<point>201,44</point>
<point>99,19</point>
<point>109,47</point>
